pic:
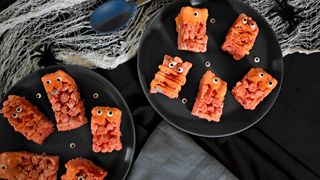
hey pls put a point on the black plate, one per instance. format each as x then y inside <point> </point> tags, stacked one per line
<point>160,38</point>
<point>116,163</point>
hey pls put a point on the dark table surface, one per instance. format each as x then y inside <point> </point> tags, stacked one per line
<point>285,144</point>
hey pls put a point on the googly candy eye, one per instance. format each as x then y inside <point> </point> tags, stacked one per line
<point>110,113</point>
<point>261,74</point>
<point>196,14</point>
<point>99,112</point>
<point>252,25</point>
<point>48,81</point>
<point>215,80</point>
<point>180,70</point>
<point>171,65</point>
<point>18,109</point>
<point>3,166</point>
<point>270,83</point>
<point>14,115</point>
<point>244,20</point>
<point>59,79</point>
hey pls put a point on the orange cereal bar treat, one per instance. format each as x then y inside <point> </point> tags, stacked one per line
<point>191,26</point>
<point>253,88</point>
<point>170,77</point>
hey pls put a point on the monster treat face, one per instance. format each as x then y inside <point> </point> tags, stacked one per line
<point>253,88</point>
<point>65,99</point>
<point>105,129</point>
<point>26,165</point>
<point>83,169</point>
<point>191,28</point>
<point>241,37</point>
<point>210,100</point>
<point>170,77</point>
<point>26,119</point>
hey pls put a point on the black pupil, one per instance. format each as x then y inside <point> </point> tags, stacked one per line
<point>48,82</point>
<point>252,24</point>
<point>110,112</point>
<point>270,83</point>
<point>99,112</point>
<point>14,114</point>
<point>58,79</point>
<point>195,14</point>
<point>3,167</point>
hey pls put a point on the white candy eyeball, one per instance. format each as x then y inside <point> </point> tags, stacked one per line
<point>3,166</point>
<point>244,20</point>
<point>270,83</point>
<point>261,74</point>
<point>59,79</point>
<point>81,178</point>
<point>99,112</point>
<point>110,113</point>
<point>171,65</point>
<point>180,70</point>
<point>215,80</point>
<point>196,14</point>
<point>18,109</point>
<point>48,81</point>
<point>15,115</point>
<point>252,25</point>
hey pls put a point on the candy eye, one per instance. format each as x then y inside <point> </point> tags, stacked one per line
<point>215,80</point>
<point>14,115</point>
<point>48,82</point>
<point>18,109</point>
<point>244,20</point>
<point>99,112</point>
<point>80,178</point>
<point>261,74</point>
<point>252,25</point>
<point>270,83</point>
<point>59,79</point>
<point>110,113</point>
<point>196,14</point>
<point>171,65</point>
<point>180,70</point>
<point>3,166</point>
<point>38,95</point>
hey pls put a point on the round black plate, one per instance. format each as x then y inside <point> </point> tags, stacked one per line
<point>116,163</point>
<point>160,38</point>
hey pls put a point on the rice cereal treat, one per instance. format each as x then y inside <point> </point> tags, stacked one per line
<point>241,37</point>
<point>210,99</point>
<point>253,88</point>
<point>65,99</point>
<point>26,165</point>
<point>105,128</point>
<point>170,77</point>
<point>27,119</point>
<point>191,25</point>
<point>83,169</point>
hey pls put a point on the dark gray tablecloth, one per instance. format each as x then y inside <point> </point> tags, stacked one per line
<point>170,154</point>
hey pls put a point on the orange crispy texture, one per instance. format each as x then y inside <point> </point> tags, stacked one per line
<point>217,91</point>
<point>220,87</point>
<point>262,82</point>
<point>102,120</point>
<point>241,37</point>
<point>168,80</point>
<point>55,83</point>
<point>29,120</point>
<point>14,159</point>
<point>186,15</point>
<point>85,168</point>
